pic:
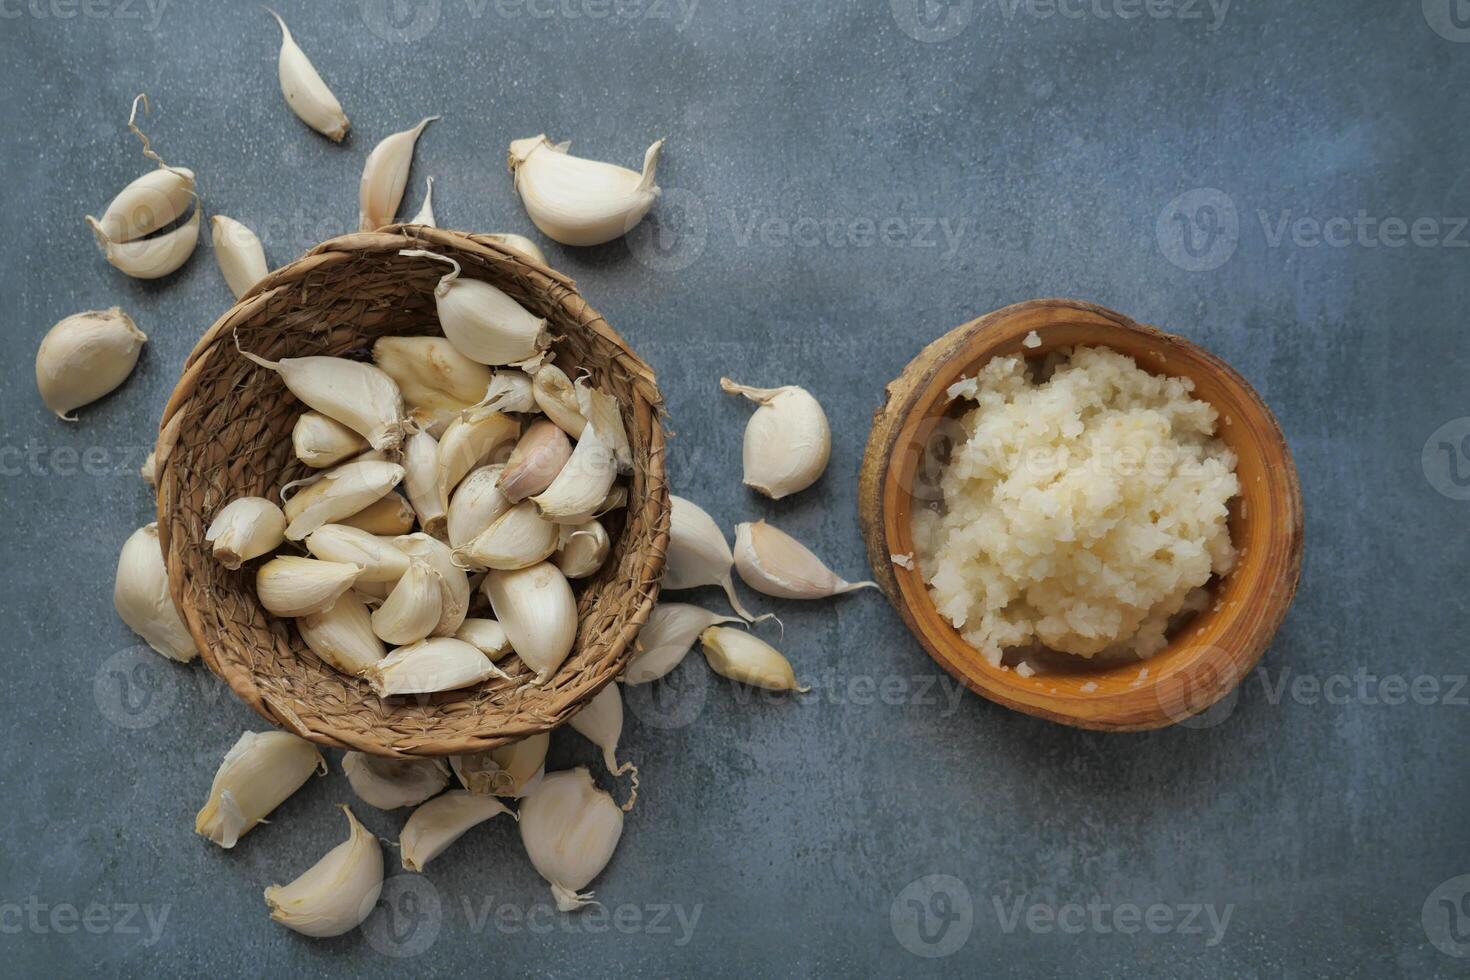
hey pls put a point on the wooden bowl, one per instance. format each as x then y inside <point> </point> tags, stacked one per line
<point>1211,653</point>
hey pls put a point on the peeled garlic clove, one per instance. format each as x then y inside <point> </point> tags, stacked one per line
<point>585,479</point>
<point>141,597</point>
<point>305,92</point>
<point>246,528</point>
<point>509,391</point>
<point>442,821</point>
<point>390,784</point>
<point>454,584</point>
<point>292,586</point>
<point>511,771</point>
<point>339,494</point>
<point>438,383</point>
<point>570,829</point>
<point>426,212</point>
<point>411,611</point>
<point>698,554</point>
<point>360,396</point>
<point>670,632</point>
<point>421,481</point>
<point>748,659</point>
<point>600,721</point>
<point>522,246</point>
<point>334,895</point>
<point>384,176</point>
<point>773,562</point>
<point>516,539</point>
<point>787,441</point>
<point>471,441</point>
<point>482,322</point>
<point>343,636</point>
<point>556,397</point>
<point>539,613</point>
<point>477,501</point>
<point>390,515</point>
<point>319,441</point>
<point>487,636</point>
<point>260,771</point>
<point>150,258</point>
<point>582,548</point>
<point>381,561</point>
<point>85,356</point>
<point>441,663</point>
<point>153,201</point>
<point>239,253</point>
<point>536,460</point>
<point>577,201</point>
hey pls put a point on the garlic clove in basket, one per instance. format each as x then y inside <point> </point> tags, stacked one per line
<point>476,503</point>
<point>600,721</point>
<point>471,441</point>
<point>570,829</point>
<point>421,481</point>
<point>153,201</point>
<point>390,784</point>
<point>556,397</point>
<point>141,596</point>
<point>536,607</point>
<point>239,253</point>
<point>440,822</point>
<point>411,611</point>
<point>150,258</point>
<point>305,92</point>
<point>342,635</point>
<point>381,561</point>
<point>339,493</point>
<point>360,396</point>
<point>390,515</point>
<point>517,538</point>
<point>487,636</point>
<point>84,356</point>
<point>257,775</point>
<point>438,383</point>
<point>509,391</point>
<point>582,548</point>
<point>511,771</point>
<point>319,441</point>
<point>454,584</point>
<point>698,553</point>
<point>440,663</point>
<point>334,895</point>
<point>600,454</point>
<point>246,528</point>
<point>291,586</point>
<point>787,440</point>
<point>748,659</point>
<point>671,630</point>
<point>522,246</point>
<point>538,457</point>
<point>384,176</point>
<point>482,322</point>
<point>425,215</point>
<point>771,561</point>
<point>577,201</point>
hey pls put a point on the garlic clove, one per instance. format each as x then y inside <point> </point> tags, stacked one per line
<point>454,584</point>
<point>522,247</point>
<point>517,538</point>
<point>390,784</point>
<point>476,503</point>
<point>319,441</point>
<point>153,201</point>
<point>582,548</point>
<point>587,476</point>
<point>536,460</point>
<point>342,635</point>
<point>536,607</point>
<point>381,561</point>
<point>748,659</point>
<point>787,440</point>
<point>570,829</point>
<point>577,201</point>
<point>305,92</point>
<point>385,175</point>
<point>390,515</point>
<point>698,554</point>
<point>600,721</point>
<point>425,214</point>
<point>440,822</point>
<point>246,528</point>
<point>438,383</point>
<point>556,397</point>
<point>292,586</point>
<point>141,596</point>
<point>511,771</point>
<point>334,895</point>
<point>239,253</point>
<point>771,561</point>
<point>411,611</point>
<point>483,323</point>
<point>509,391</point>
<point>440,663</point>
<point>487,636</point>
<point>257,775</point>
<point>360,396</point>
<point>471,441</point>
<point>339,493</point>
<point>421,481</point>
<point>671,630</point>
<point>150,258</point>
<point>85,356</point>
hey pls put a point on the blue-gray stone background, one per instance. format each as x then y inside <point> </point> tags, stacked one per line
<point>1284,183</point>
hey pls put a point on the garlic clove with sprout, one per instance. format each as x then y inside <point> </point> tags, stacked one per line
<point>390,515</point>
<point>698,553</point>
<point>384,176</point>
<point>239,253</point>
<point>440,663</point>
<point>411,611</point>
<point>787,440</point>
<point>246,528</point>
<point>536,607</point>
<point>511,770</point>
<point>153,201</point>
<point>438,383</point>
<point>257,775</point>
<point>483,323</point>
<point>291,586</point>
<point>556,397</point>
<point>342,635</point>
<point>748,659</point>
<point>425,215</point>
<point>421,481</point>
<point>522,247</point>
<point>471,441</point>
<point>454,584</point>
<point>381,561</point>
<point>337,893</point>
<point>584,481</point>
<point>360,396</point>
<point>570,829</point>
<point>509,391</point>
<point>600,721</point>
<point>390,784</point>
<point>538,457</point>
<point>582,548</point>
<point>487,636</point>
<point>85,356</point>
<point>151,258</point>
<point>440,822</point>
<point>319,441</point>
<point>476,503</point>
<point>773,562</point>
<point>672,629</point>
<point>305,92</point>
<point>517,538</point>
<point>577,201</point>
<point>339,493</point>
<point>142,598</point>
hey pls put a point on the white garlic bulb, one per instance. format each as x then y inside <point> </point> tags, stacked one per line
<point>85,356</point>
<point>570,829</point>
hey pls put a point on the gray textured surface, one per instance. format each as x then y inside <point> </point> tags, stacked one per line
<point>1051,146</point>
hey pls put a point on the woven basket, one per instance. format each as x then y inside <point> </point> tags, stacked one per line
<point>226,434</point>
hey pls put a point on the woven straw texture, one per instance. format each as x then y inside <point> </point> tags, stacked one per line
<point>226,434</point>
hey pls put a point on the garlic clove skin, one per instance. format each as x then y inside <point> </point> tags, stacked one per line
<point>672,629</point>
<point>381,561</point>
<point>246,528</point>
<point>339,493</point>
<point>476,503</point>
<point>320,442</point>
<point>153,201</point>
<point>337,893</point>
<point>391,784</point>
<point>698,553</point>
<point>425,214</point>
<point>748,659</point>
<point>601,722</point>
<point>586,478</point>
<point>473,440</point>
<point>258,774</point>
<point>292,586</point>
<point>411,611</point>
<point>421,482</point>
<point>487,636</point>
<point>556,397</point>
<point>384,176</point>
<point>582,548</point>
<point>787,440</point>
<point>359,396</point>
<point>509,391</point>
<point>342,635</point>
<point>239,253</point>
<point>438,383</point>
<point>429,666</point>
<point>517,538</point>
<point>522,247</point>
<point>305,92</point>
<point>511,771</point>
<point>576,201</point>
<point>483,323</point>
<point>536,460</point>
<point>150,258</point>
<point>149,470</point>
<point>390,516</point>
<point>570,829</point>
<point>141,596</point>
<point>454,584</point>
<point>442,821</point>
<point>536,608</point>
<point>85,356</point>
<point>773,562</point>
